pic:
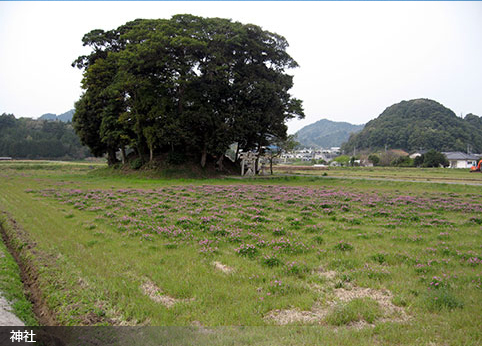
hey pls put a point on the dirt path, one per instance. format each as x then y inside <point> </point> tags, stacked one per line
<point>6,317</point>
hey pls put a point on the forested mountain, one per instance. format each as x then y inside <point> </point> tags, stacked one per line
<point>27,138</point>
<point>64,117</point>
<point>419,124</point>
<point>326,133</point>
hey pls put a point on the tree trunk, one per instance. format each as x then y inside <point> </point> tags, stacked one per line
<point>271,165</point>
<point>123,155</point>
<point>204,155</point>
<point>111,157</point>
<point>151,154</point>
<point>219,163</point>
<point>256,163</point>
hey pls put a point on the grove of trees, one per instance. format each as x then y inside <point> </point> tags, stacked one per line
<point>184,87</point>
<point>26,138</point>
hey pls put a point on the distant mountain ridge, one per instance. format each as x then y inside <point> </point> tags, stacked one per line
<point>64,117</point>
<point>326,133</point>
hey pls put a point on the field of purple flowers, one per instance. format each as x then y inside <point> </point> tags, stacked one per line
<point>404,242</point>
<point>396,261</point>
<point>266,222</point>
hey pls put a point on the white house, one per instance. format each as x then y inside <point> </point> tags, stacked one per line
<point>458,159</point>
<point>417,154</point>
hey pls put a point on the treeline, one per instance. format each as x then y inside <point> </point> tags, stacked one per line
<point>394,158</point>
<point>419,124</point>
<point>37,139</point>
<point>184,88</point>
<point>431,158</point>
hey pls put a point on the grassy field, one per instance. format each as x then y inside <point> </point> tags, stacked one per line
<point>447,175</point>
<point>303,260</point>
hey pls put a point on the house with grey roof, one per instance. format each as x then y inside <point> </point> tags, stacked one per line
<point>458,159</point>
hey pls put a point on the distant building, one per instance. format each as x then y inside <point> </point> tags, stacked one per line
<point>309,154</point>
<point>5,158</point>
<point>458,159</point>
<point>417,154</point>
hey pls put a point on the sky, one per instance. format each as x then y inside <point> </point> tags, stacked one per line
<point>356,58</point>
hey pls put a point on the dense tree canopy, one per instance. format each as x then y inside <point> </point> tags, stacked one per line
<point>187,85</point>
<point>39,139</point>
<point>419,124</point>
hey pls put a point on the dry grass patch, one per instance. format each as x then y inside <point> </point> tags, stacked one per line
<point>222,267</point>
<point>290,316</point>
<point>382,297</point>
<point>327,274</point>
<point>319,312</point>
<point>156,294</point>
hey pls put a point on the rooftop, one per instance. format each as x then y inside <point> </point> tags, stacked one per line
<point>458,155</point>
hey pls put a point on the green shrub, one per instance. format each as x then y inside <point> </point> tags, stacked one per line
<point>247,250</point>
<point>343,246</point>
<point>476,220</point>
<point>379,258</point>
<point>432,158</point>
<point>297,269</point>
<point>360,309</point>
<point>271,261</point>
<point>374,159</point>
<point>442,298</point>
<point>279,232</point>
<point>136,163</point>
<point>318,239</point>
<point>176,158</point>
<point>402,161</point>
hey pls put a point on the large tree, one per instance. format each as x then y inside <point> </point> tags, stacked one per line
<point>189,85</point>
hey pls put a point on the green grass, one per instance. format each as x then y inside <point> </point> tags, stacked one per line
<point>393,173</point>
<point>11,286</point>
<point>98,237</point>
<point>358,309</point>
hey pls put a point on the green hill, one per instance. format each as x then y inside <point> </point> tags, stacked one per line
<point>326,133</point>
<point>419,124</point>
<point>27,138</point>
